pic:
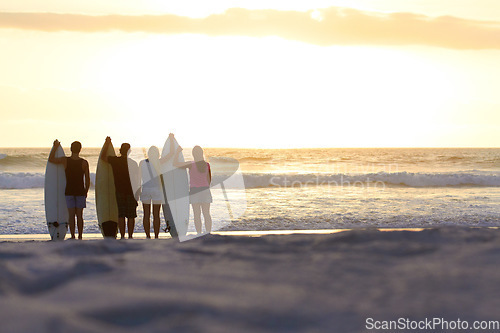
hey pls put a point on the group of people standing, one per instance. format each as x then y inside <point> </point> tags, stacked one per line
<point>135,182</point>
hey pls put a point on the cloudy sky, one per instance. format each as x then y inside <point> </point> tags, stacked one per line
<point>358,73</point>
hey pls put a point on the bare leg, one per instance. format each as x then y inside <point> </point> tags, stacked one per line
<point>130,226</point>
<point>121,226</point>
<point>156,219</point>
<point>197,217</point>
<point>206,216</point>
<point>146,220</point>
<point>79,221</point>
<point>71,220</point>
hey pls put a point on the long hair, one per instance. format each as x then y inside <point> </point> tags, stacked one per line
<point>201,165</point>
<point>154,158</point>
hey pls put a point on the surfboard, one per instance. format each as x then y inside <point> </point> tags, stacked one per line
<point>228,191</point>
<point>105,197</point>
<point>56,211</point>
<point>175,186</point>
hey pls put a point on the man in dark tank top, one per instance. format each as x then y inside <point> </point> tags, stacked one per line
<point>125,175</point>
<point>77,184</point>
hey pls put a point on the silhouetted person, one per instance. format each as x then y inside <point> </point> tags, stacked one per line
<point>125,172</point>
<point>151,189</point>
<point>151,192</point>
<point>76,169</point>
<point>200,178</point>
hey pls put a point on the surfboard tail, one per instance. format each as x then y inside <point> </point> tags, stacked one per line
<point>57,230</point>
<point>109,229</point>
<point>169,220</point>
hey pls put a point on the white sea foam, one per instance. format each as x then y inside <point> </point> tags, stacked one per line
<point>438,179</point>
<point>23,180</point>
<point>378,179</point>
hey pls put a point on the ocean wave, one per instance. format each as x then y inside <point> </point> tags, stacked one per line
<point>36,160</point>
<point>438,179</point>
<point>450,158</point>
<point>381,178</point>
<point>23,180</point>
<point>222,160</point>
<point>26,180</point>
<point>255,159</point>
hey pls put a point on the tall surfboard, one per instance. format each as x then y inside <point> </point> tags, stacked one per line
<point>105,196</point>
<point>56,211</point>
<point>176,188</point>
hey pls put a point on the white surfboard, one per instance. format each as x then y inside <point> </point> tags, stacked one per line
<point>56,211</point>
<point>228,191</point>
<point>105,197</point>
<point>176,188</point>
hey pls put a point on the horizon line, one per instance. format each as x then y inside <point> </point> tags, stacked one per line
<point>281,148</point>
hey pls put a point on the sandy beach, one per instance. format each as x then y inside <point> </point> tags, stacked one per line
<point>271,283</point>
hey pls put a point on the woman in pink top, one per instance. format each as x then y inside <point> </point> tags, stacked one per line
<point>199,187</point>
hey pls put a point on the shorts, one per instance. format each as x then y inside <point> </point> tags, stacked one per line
<point>149,195</point>
<point>126,205</point>
<point>76,201</point>
<point>200,195</point>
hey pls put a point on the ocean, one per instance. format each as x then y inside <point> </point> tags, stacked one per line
<point>298,188</point>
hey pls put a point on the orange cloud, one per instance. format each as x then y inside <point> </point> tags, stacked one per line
<point>330,26</point>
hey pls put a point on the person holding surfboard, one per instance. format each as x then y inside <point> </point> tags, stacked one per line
<point>151,191</point>
<point>76,169</point>
<point>125,175</point>
<point>200,178</point>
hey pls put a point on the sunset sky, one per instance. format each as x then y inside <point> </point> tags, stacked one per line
<point>262,74</point>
